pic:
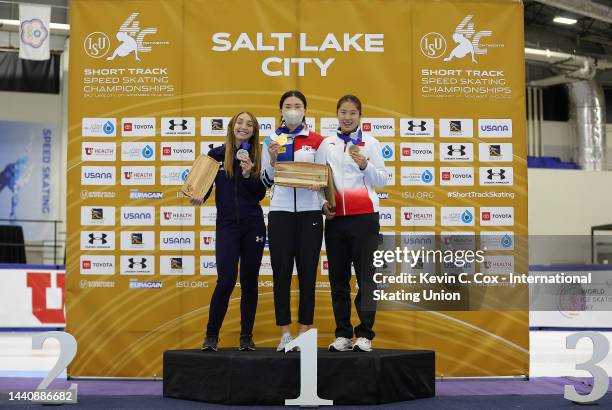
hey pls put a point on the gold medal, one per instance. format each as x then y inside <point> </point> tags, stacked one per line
<point>281,139</point>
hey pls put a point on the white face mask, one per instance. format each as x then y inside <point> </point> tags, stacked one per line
<point>293,117</point>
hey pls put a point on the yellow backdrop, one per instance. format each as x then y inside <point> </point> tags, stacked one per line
<point>168,60</point>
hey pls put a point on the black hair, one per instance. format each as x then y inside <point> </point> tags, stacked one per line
<point>349,98</point>
<point>292,93</point>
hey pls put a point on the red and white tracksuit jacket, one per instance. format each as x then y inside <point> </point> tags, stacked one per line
<point>355,192</point>
<point>301,147</point>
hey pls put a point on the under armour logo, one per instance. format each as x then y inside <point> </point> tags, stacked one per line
<point>460,150</point>
<point>101,238</point>
<point>133,262</point>
<point>500,174</point>
<point>182,124</point>
<point>421,126</point>
<point>259,239</point>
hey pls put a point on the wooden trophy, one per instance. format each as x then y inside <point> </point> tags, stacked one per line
<point>201,177</point>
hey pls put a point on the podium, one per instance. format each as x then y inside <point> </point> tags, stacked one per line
<point>267,377</point>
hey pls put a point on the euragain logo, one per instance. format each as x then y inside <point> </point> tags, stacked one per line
<point>467,39</point>
<point>130,36</point>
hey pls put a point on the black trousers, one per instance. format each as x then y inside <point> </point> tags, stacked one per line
<point>244,241</point>
<point>295,236</point>
<point>352,239</point>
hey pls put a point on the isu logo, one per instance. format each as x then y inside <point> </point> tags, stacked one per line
<point>433,45</point>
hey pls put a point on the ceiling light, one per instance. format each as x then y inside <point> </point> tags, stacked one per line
<point>565,20</point>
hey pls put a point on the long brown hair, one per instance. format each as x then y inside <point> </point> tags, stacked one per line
<point>254,146</point>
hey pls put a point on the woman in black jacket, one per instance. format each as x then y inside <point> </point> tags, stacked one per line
<point>241,232</point>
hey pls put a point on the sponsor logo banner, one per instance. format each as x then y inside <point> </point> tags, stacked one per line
<point>418,176</point>
<point>178,127</point>
<point>456,176</point>
<point>456,128</point>
<point>177,151</point>
<point>98,215</point>
<point>136,175</point>
<point>497,216</point>
<point>99,127</point>
<point>457,152</point>
<point>418,216</point>
<point>456,216</point>
<point>138,127</point>
<point>417,127</point>
<point>137,265</point>
<point>386,216</point>
<point>496,176</point>
<point>98,151</point>
<point>174,175</point>
<point>137,151</point>
<point>496,152</point>
<point>98,175</point>
<point>177,265</point>
<point>137,240</point>
<point>208,239</point>
<point>97,264</point>
<point>378,127</point>
<point>214,126</point>
<point>208,265</point>
<point>137,216</point>
<point>176,240</point>
<point>497,240</point>
<point>177,216</point>
<point>417,152</point>
<point>495,128</point>
<point>98,240</point>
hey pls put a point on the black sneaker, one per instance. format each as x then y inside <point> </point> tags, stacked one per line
<point>246,343</point>
<point>210,343</point>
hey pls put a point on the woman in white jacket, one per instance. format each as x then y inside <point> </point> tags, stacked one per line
<point>352,227</point>
<point>295,222</point>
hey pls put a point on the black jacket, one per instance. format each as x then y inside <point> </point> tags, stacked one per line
<point>236,198</point>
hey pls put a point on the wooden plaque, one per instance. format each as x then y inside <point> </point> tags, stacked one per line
<point>300,174</point>
<point>201,177</point>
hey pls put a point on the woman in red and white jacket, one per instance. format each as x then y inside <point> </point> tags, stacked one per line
<point>295,223</point>
<point>352,228</point>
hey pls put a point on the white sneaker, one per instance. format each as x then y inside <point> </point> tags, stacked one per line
<point>341,344</point>
<point>362,345</point>
<point>285,338</point>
